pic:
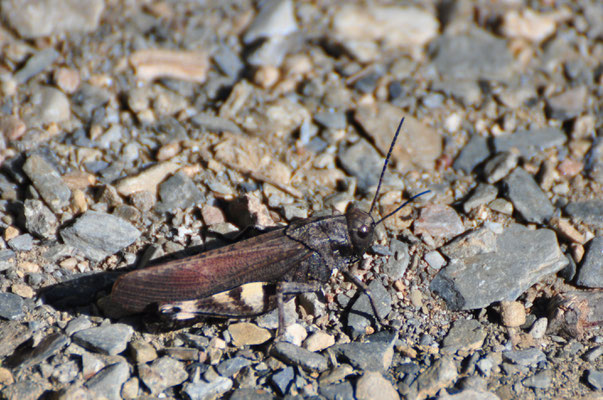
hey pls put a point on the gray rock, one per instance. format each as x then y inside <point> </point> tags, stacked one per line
<point>439,221</point>
<point>77,324</point>
<point>361,314</point>
<point>49,346</point>
<point>473,153</point>
<point>21,243</point>
<point>50,106</point>
<point>276,18</point>
<point>201,390</point>
<point>486,267</point>
<point>593,354</point>
<point>295,355</point>
<point>331,119</point>
<point>48,182</point>
<point>589,212</point>
<point>373,355</point>
<point>362,161</point>
<point>465,334</point>
<point>251,394</point>
<point>466,91</point>
<point>36,64</point>
<point>499,166</point>
<point>591,270</point>
<point>212,123</point>
<point>568,104</point>
<point>108,381</point>
<point>483,194</point>
<point>178,191</point>
<point>595,378</point>
<point>527,197</point>
<point>524,357</point>
<point>228,61</point>
<point>230,367</point>
<point>33,19</point>
<point>98,235</point>
<point>283,379</point>
<point>338,391</point>
<point>163,373</point>
<point>11,306</point>
<point>39,220</point>
<point>109,339</point>
<point>7,259</point>
<point>474,55</point>
<point>434,259</point>
<point>26,389</point>
<point>594,161</point>
<point>398,263</point>
<point>12,335</point>
<point>540,380</point>
<point>531,142</point>
<point>438,376</point>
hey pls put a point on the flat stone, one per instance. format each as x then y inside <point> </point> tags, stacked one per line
<point>230,367</point>
<point>48,182</point>
<point>361,314</point>
<point>331,119</point>
<point>589,212</point>
<point>295,355</point>
<point>202,390</point>
<point>107,382</point>
<point>372,385</point>
<point>21,243</point>
<point>318,341</point>
<point>471,394</point>
<point>473,55</point>
<point>50,105</point>
<point>12,335</point>
<point>465,335</point>
<point>251,394</point>
<point>34,18</point>
<point>590,273</point>
<point>39,219</point>
<point>11,306</point>
<point>531,142</point>
<point>162,373</point>
<point>595,378</point>
<point>77,324</point>
<point>98,235</point>
<point>276,18</point>
<point>438,221</point>
<point>362,161</point>
<point>438,376</point>
<point>525,357</point>
<point>486,267</point>
<point>499,166</point>
<point>472,154</point>
<point>36,64</point>
<point>283,379</point>
<point>338,391</point>
<point>373,355</point>
<point>568,104</point>
<point>178,191</point>
<point>109,339</point>
<point>48,346</point>
<point>540,380</point>
<point>398,263</point>
<point>527,197</point>
<point>147,180</point>
<point>213,123</point>
<point>142,352</point>
<point>25,389</point>
<point>482,194</point>
<point>248,334</point>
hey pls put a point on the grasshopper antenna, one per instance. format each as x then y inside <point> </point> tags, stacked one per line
<point>389,153</point>
<point>402,206</point>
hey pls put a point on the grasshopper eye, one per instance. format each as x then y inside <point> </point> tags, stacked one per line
<point>363,232</point>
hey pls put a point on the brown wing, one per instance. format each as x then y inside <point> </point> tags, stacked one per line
<point>264,258</point>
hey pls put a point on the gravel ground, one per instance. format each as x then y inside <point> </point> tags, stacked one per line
<point>143,131</point>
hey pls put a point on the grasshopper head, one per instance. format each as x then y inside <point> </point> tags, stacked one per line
<point>360,228</point>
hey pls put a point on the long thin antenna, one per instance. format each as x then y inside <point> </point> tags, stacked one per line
<point>389,153</point>
<point>402,206</point>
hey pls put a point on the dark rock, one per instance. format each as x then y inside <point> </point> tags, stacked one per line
<point>7,259</point>
<point>162,373</point>
<point>39,219</point>
<point>486,267</point>
<point>178,191</point>
<point>527,197</point>
<point>373,355</point>
<point>282,380</point>
<point>107,382</point>
<point>338,391</point>
<point>99,235</point>
<point>361,314</point>
<point>362,161</point>
<point>50,345</point>
<point>473,153</point>
<point>251,394</point>
<point>591,270</point>
<point>47,181</point>
<point>295,355</point>
<point>589,212</point>
<point>12,335</point>
<point>11,306</point>
<point>529,143</point>
<point>21,243</point>
<point>475,55</point>
<point>230,367</point>
<point>109,339</point>
<point>200,389</point>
